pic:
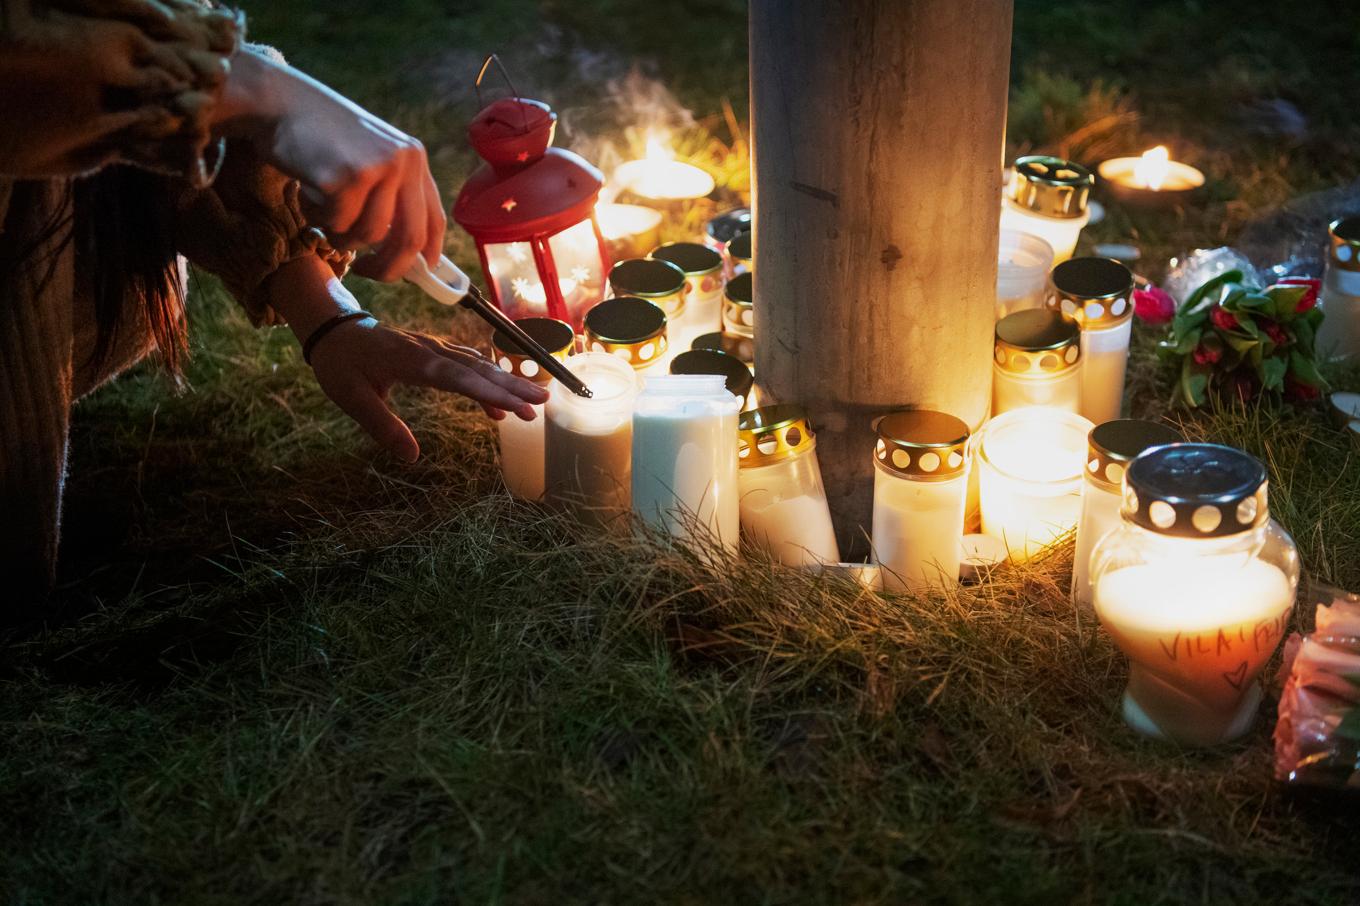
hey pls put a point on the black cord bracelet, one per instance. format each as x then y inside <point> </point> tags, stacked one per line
<point>326,327</point>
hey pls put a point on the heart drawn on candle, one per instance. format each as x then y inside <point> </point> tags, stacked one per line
<point>1236,677</point>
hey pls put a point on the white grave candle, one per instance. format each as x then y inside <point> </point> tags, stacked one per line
<point>588,450</point>
<point>1023,263</point>
<point>521,442</point>
<point>783,502</point>
<point>1036,362</point>
<point>1047,198</point>
<point>1338,336</point>
<point>1097,294</point>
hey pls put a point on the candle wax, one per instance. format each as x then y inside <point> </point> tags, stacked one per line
<point>918,528</point>
<point>522,455</point>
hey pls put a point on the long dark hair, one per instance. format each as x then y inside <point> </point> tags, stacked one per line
<point>120,223</point>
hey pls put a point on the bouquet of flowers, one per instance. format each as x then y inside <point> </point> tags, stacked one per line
<point>1232,336</point>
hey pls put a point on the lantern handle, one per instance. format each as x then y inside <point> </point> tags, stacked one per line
<point>481,74</point>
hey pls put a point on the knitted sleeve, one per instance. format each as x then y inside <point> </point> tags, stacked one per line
<point>102,81</point>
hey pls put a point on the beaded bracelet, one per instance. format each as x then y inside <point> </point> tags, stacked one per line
<point>326,327</point>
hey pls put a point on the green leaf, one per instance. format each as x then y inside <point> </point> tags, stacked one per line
<point>1204,297</point>
<point>1285,300</point>
<point>1305,369</point>
<point>1193,384</point>
<point>1240,343</point>
<point>1272,373</point>
<point>1304,335</point>
<point>1187,343</point>
<point>1248,301</point>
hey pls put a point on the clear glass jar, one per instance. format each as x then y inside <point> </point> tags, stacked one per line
<point>1047,198</point>
<point>1036,362</point>
<point>1030,465</point>
<point>1110,447</point>
<point>1097,294</point>
<point>685,459</point>
<point>1338,336</point>
<point>588,442</point>
<point>521,442</point>
<point>783,501</point>
<point>920,491</point>
<point>1195,587</point>
<point>1023,263</point>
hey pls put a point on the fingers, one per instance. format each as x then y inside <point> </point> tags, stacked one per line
<point>438,221</point>
<point>363,404</point>
<point>375,218</point>
<point>407,237</point>
<point>471,358</point>
<point>453,376</point>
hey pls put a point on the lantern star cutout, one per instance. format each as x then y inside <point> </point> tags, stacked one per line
<point>522,157</point>
<point>509,205</point>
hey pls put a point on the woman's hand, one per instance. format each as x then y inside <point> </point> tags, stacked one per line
<point>358,362</point>
<point>364,182</point>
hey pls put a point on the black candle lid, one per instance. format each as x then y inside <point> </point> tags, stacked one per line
<point>739,248</point>
<point>553,335</point>
<point>728,224</point>
<point>1094,292</point>
<point>713,361</point>
<point>691,257</point>
<point>1111,446</point>
<point>646,277</point>
<point>1196,491</point>
<point>633,329</point>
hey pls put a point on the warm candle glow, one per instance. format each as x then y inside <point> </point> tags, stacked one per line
<point>658,175</point>
<point>620,221</point>
<point>1150,171</point>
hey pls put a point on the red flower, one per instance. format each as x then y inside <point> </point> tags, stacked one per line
<point>1296,391</point>
<point>1310,298</point>
<point>1154,304</point>
<point>1206,356</point>
<point>1277,334</point>
<point>1223,319</point>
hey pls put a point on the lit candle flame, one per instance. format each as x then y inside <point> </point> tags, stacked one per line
<point>1152,169</point>
<point>657,147</point>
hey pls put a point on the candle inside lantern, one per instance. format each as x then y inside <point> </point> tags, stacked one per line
<point>628,229</point>
<point>1195,587</point>
<point>1030,464</point>
<point>660,177</point>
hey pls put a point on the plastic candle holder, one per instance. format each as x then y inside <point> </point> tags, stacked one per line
<point>920,491</point>
<point>1097,295</point>
<point>1023,263</point>
<point>703,270</point>
<point>588,443</point>
<point>631,329</point>
<point>739,310</point>
<point>1338,336</point>
<point>1110,449</point>
<point>1036,362</point>
<point>1195,587</point>
<point>783,502</point>
<point>1047,198</point>
<point>521,442</point>
<point>1030,464</point>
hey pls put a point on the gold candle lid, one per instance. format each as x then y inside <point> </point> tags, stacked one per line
<point>739,310</point>
<point>631,328</point>
<point>1051,186</point>
<point>1096,293</point>
<point>553,335</point>
<point>1037,341</point>
<point>657,281</point>
<point>772,434</point>
<point>1111,446</point>
<point>1345,243</point>
<point>739,248</point>
<point>922,444</point>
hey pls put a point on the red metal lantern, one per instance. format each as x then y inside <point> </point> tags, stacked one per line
<point>531,210</point>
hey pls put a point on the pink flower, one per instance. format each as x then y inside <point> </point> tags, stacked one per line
<point>1276,333</point>
<point>1206,356</point>
<point>1310,298</point>
<point>1223,319</point>
<point>1154,304</point>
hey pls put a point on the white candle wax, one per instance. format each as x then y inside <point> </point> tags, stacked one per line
<point>663,180</point>
<point>684,461</point>
<point>1099,516</point>
<point>1104,359</point>
<point>1060,233</point>
<point>588,442</point>
<point>917,531</point>
<point>1023,263</point>
<point>1060,390</point>
<point>1338,336</point>
<point>784,511</point>
<point>1197,631</point>
<point>522,455</point>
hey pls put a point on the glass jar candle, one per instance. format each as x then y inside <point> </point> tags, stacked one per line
<point>1047,198</point>
<point>1109,450</point>
<point>739,255</point>
<point>920,490</point>
<point>1338,336</point>
<point>735,375</point>
<point>703,269</point>
<point>1029,477</point>
<point>783,502</point>
<point>521,442</point>
<point>662,284</point>
<point>1097,294</point>
<point>588,443</point>
<point>685,459</point>
<point>1195,587</point>
<point>1023,263</point>
<point>739,309</point>
<point>1036,362</point>
<point>632,329</point>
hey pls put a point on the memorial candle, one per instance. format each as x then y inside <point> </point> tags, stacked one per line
<point>1047,197</point>
<point>1097,294</point>
<point>522,442</point>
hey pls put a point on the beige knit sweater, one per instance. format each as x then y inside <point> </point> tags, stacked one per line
<point>133,82</point>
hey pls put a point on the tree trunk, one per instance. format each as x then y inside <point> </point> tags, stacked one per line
<point>875,127</point>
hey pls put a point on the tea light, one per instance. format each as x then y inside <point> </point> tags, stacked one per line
<point>1097,294</point>
<point>1195,587</point>
<point>521,442</point>
<point>783,501</point>
<point>1023,263</point>
<point>629,230</point>
<point>588,443</point>
<point>1030,464</point>
<point>661,178</point>
<point>1110,448</point>
<point>1338,336</point>
<point>1036,362</point>
<point>1153,179</point>
<point>632,330</point>
<point>703,269</point>
<point>1047,197</point>
<point>920,489</point>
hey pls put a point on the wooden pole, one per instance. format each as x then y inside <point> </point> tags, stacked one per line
<point>875,128</point>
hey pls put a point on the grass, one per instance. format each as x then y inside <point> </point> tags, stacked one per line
<point>289,670</point>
